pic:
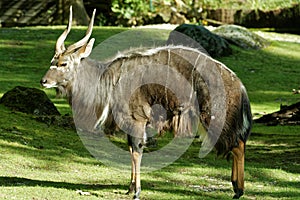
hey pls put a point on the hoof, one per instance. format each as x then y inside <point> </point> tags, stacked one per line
<point>238,193</point>
<point>131,188</point>
<point>137,194</point>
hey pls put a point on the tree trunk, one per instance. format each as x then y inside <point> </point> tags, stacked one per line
<point>80,16</point>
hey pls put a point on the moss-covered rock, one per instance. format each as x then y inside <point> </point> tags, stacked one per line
<point>29,100</point>
<point>201,38</point>
<point>241,36</point>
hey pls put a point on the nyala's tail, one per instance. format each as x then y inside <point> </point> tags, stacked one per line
<point>246,116</point>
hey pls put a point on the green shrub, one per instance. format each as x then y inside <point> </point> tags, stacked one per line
<point>131,12</point>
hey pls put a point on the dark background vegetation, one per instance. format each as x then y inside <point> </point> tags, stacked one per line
<point>279,14</point>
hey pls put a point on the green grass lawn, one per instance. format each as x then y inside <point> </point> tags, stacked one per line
<point>49,162</point>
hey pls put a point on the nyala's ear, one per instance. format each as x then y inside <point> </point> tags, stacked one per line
<point>86,49</point>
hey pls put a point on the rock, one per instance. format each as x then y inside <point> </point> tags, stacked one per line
<point>241,36</point>
<point>29,100</point>
<point>287,115</point>
<point>201,38</point>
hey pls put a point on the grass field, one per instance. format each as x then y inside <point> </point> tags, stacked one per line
<point>40,162</point>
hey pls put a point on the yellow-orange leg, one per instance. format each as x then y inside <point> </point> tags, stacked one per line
<point>237,176</point>
<point>137,158</point>
<point>136,153</point>
<point>136,143</point>
<point>132,181</point>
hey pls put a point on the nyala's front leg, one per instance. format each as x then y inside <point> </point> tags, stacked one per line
<point>132,180</point>
<point>136,151</point>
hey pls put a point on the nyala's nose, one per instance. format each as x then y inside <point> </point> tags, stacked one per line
<point>43,81</point>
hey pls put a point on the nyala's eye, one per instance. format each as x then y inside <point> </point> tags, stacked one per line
<point>63,64</point>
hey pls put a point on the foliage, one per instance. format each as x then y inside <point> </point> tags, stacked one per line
<point>247,4</point>
<point>135,12</point>
<point>49,162</point>
<point>131,12</point>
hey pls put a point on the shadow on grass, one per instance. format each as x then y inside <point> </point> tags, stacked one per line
<point>274,194</point>
<point>158,186</point>
<point>18,181</point>
<point>274,151</point>
<point>190,191</point>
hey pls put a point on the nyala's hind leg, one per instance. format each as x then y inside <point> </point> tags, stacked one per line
<point>237,176</point>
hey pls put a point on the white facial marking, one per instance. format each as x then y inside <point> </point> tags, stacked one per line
<point>50,85</point>
<point>53,67</point>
